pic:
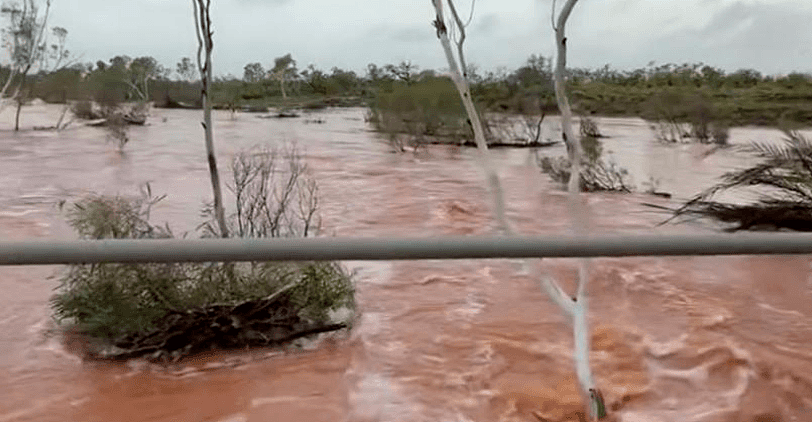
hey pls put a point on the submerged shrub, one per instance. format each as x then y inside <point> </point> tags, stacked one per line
<point>84,110</point>
<point>596,174</point>
<point>676,116</point>
<point>172,309</point>
<point>589,128</point>
<point>430,107</point>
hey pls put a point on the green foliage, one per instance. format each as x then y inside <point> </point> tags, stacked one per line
<point>678,115</point>
<point>117,217</point>
<point>430,107</point>
<point>113,302</point>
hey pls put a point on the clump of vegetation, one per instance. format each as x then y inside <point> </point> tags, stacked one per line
<point>84,110</point>
<point>589,128</point>
<point>678,117</point>
<point>167,311</point>
<point>784,183</point>
<point>273,196</point>
<point>429,107</point>
<point>502,129</point>
<point>597,175</point>
<point>117,129</point>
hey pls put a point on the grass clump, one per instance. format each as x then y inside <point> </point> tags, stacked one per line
<point>784,187</point>
<point>163,311</point>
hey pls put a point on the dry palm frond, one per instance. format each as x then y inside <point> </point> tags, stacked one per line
<point>786,171</point>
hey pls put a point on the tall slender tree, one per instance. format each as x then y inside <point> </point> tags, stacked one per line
<point>25,41</point>
<point>205,46</point>
<point>284,68</point>
<point>574,307</point>
<point>580,304</point>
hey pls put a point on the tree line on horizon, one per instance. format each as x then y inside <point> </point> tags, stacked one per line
<point>124,78</point>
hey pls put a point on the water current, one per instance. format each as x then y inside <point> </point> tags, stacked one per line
<point>694,339</point>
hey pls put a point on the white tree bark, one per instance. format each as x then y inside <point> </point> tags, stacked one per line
<point>580,320</point>
<point>204,40</point>
<point>575,308</point>
<point>461,83</point>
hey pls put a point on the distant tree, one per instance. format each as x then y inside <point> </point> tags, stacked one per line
<point>316,80</point>
<point>405,71</point>
<point>537,71</point>
<point>121,63</point>
<point>744,78</point>
<point>284,69</point>
<point>253,72</point>
<point>24,38</point>
<point>711,76</point>
<point>141,71</point>
<point>57,54</point>
<point>374,73</point>
<point>347,81</point>
<point>185,69</point>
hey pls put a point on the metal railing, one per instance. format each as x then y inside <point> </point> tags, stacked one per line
<point>368,249</point>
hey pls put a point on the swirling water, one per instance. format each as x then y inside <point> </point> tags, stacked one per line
<point>700,339</point>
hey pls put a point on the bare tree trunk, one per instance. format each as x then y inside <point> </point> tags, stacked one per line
<point>459,75</point>
<point>204,39</point>
<point>17,113</point>
<point>573,307</point>
<point>580,321</point>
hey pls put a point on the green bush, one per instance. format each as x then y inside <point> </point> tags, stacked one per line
<point>430,107</point>
<point>123,305</point>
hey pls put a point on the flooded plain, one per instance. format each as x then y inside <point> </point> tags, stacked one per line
<point>705,339</point>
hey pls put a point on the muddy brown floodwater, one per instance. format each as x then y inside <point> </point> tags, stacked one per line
<point>674,339</point>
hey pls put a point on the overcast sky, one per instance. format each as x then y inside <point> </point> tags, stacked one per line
<point>772,36</point>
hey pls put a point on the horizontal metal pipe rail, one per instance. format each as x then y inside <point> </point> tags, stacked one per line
<point>368,249</point>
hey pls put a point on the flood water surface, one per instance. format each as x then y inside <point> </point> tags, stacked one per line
<point>702,339</point>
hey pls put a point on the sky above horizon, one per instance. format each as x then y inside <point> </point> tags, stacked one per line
<point>771,36</point>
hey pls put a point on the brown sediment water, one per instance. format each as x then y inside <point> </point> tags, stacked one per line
<point>702,339</point>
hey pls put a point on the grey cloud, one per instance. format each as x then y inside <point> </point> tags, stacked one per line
<point>413,33</point>
<point>486,24</point>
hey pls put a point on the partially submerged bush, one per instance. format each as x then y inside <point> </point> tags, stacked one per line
<point>784,183</point>
<point>274,196</point>
<point>165,311</point>
<point>430,107</point>
<point>678,116</point>
<point>118,129</point>
<point>589,128</point>
<point>85,110</point>
<point>507,130</point>
<point>596,174</point>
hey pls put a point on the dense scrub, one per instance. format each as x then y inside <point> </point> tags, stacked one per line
<point>743,97</point>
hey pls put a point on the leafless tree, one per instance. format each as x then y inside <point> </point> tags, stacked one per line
<point>574,307</point>
<point>580,304</point>
<point>205,46</point>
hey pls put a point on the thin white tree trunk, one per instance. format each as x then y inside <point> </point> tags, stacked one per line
<point>553,290</point>
<point>575,308</point>
<point>204,39</point>
<point>580,321</point>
